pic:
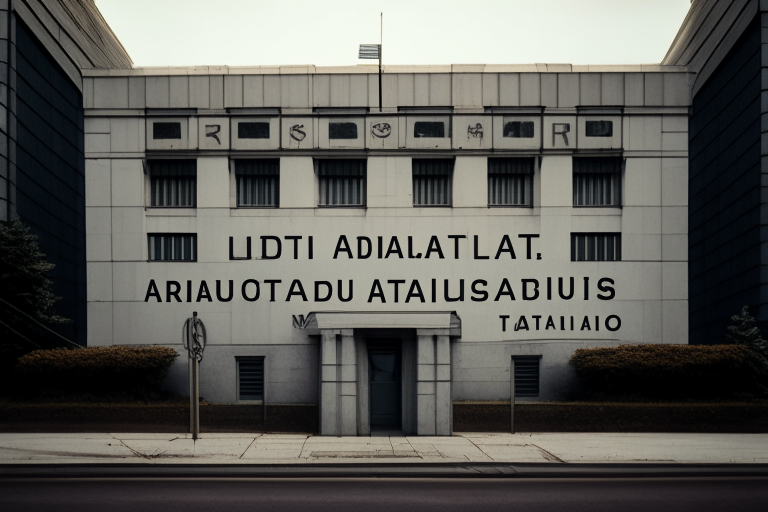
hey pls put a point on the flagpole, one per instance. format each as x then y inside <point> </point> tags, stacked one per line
<point>381,44</point>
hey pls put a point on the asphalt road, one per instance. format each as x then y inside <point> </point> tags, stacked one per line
<point>391,495</point>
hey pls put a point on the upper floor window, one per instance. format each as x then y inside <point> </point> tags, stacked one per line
<point>432,182</point>
<point>258,182</point>
<point>510,181</point>
<point>172,246</point>
<point>341,182</point>
<point>173,183</point>
<point>595,246</point>
<point>597,181</point>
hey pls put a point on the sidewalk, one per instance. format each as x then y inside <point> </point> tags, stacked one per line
<point>296,449</point>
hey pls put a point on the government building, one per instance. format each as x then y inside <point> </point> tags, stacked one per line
<point>382,253</point>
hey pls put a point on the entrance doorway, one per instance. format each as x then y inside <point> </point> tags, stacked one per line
<point>385,391</point>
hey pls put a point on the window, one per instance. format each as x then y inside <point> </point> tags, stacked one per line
<point>526,376</point>
<point>166,130</point>
<point>258,182</point>
<point>432,182</point>
<point>173,183</point>
<point>510,181</point>
<point>342,131</point>
<point>253,130</point>
<point>518,129</point>
<point>597,181</point>
<point>172,247</point>
<point>595,246</point>
<point>599,128</point>
<point>428,129</point>
<point>341,182</point>
<point>250,378</point>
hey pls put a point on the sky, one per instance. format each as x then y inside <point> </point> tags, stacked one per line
<point>328,33</point>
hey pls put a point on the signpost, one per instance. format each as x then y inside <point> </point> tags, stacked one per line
<point>193,337</point>
<point>512,395</point>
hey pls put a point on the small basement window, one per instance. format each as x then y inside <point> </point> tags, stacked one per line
<point>526,376</point>
<point>250,379</point>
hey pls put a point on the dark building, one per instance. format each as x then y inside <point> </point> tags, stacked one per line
<point>44,45</point>
<point>723,42</point>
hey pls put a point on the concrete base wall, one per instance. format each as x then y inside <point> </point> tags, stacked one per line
<point>291,373</point>
<point>481,370</point>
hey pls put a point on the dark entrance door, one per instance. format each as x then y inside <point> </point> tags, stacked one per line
<point>385,396</point>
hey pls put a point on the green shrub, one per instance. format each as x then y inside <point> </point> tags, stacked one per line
<point>119,371</point>
<point>671,371</point>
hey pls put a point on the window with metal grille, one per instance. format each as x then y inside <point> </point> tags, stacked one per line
<point>258,182</point>
<point>510,181</point>
<point>595,246</point>
<point>432,182</point>
<point>597,181</point>
<point>526,376</point>
<point>172,247</point>
<point>341,182</point>
<point>250,378</point>
<point>173,183</point>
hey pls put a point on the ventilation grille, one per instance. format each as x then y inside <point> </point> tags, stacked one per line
<point>250,378</point>
<point>526,376</point>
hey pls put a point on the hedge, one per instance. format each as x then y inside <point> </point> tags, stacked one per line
<point>671,371</point>
<point>100,371</point>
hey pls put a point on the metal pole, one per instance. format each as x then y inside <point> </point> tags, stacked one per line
<point>191,395</point>
<point>512,395</point>
<point>196,399</point>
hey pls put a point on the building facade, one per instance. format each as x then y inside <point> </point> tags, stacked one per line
<point>384,262</point>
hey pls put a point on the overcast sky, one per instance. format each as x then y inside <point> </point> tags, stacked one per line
<point>327,33</point>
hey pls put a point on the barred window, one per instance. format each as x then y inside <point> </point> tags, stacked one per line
<point>172,247</point>
<point>341,182</point>
<point>432,182</point>
<point>595,246</point>
<point>250,378</point>
<point>173,183</point>
<point>597,181</point>
<point>510,181</point>
<point>258,182</point>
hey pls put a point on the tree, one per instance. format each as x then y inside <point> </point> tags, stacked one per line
<point>24,285</point>
<point>744,331</point>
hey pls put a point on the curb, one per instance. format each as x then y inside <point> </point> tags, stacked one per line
<point>446,470</point>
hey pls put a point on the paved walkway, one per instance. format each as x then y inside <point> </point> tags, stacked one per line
<point>303,449</point>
